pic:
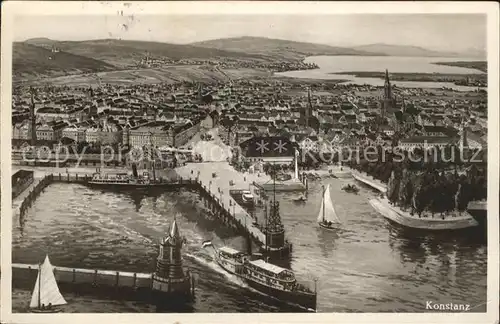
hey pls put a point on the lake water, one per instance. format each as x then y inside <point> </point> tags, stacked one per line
<point>332,67</point>
<point>369,266</point>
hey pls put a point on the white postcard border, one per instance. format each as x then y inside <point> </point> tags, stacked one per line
<point>11,8</point>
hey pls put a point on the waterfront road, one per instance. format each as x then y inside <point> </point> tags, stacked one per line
<point>219,186</point>
<point>214,150</point>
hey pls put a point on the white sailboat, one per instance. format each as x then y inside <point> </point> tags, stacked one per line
<point>46,294</point>
<point>327,217</point>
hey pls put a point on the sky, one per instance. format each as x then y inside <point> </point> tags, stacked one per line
<point>450,32</point>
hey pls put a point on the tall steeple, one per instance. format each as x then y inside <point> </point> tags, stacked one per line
<point>463,136</point>
<point>309,109</point>
<point>387,86</point>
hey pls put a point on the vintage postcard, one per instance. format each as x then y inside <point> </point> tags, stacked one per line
<point>200,162</point>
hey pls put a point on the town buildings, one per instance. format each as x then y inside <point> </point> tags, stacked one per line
<point>316,116</point>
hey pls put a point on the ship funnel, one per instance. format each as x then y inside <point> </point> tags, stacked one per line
<point>134,170</point>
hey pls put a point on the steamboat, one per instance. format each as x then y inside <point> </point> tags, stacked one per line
<point>125,180</point>
<point>265,277</point>
<point>130,181</point>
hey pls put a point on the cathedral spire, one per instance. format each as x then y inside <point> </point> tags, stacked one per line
<point>387,86</point>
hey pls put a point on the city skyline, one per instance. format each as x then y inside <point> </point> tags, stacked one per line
<point>442,32</point>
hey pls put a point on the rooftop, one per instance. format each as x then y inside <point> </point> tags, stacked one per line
<point>229,250</point>
<point>267,266</point>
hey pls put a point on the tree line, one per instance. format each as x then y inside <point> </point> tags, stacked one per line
<point>435,185</point>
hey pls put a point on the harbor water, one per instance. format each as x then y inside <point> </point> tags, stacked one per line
<point>369,266</point>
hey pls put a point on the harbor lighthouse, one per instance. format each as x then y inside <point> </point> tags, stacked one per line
<point>170,281</point>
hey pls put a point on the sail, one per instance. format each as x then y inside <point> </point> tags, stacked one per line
<point>46,290</point>
<point>327,211</point>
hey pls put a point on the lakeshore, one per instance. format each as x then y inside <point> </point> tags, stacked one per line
<point>471,79</point>
<point>478,65</point>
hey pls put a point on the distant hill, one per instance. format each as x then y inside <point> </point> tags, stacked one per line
<point>37,61</point>
<point>124,53</point>
<point>475,53</point>
<point>278,48</point>
<point>403,50</point>
<point>41,41</point>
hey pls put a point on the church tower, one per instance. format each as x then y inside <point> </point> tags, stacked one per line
<point>387,87</point>
<point>310,109</point>
<point>463,136</point>
<point>388,102</point>
<point>169,278</point>
<point>32,118</point>
<point>200,93</point>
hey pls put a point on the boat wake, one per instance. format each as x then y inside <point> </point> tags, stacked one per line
<point>215,267</point>
<point>235,280</point>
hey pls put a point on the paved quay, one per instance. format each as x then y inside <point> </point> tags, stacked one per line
<point>16,202</point>
<point>219,187</point>
<point>370,181</point>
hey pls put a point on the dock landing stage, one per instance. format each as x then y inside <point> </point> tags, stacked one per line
<point>215,193</point>
<point>216,189</point>
<point>24,277</point>
<point>170,285</point>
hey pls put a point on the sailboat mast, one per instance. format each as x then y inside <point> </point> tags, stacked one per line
<point>274,181</point>
<point>324,190</point>
<point>265,236</point>
<point>39,285</point>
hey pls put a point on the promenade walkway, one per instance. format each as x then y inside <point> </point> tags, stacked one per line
<point>370,181</point>
<point>16,202</point>
<point>219,187</point>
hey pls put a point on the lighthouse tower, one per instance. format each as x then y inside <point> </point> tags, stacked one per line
<point>171,284</point>
<point>275,242</point>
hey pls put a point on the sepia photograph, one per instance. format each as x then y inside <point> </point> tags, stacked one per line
<point>183,158</point>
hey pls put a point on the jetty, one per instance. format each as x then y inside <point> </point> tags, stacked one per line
<point>27,197</point>
<point>219,189</point>
<point>284,186</point>
<point>214,180</point>
<point>369,181</point>
<point>170,284</point>
<point>215,193</point>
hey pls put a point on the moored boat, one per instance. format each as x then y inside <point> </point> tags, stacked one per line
<point>327,216</point>
<point>46,295</point>
<point>125,180</point>
<point>350,188</point>
<point>301,198</point>
<point>265,277</point>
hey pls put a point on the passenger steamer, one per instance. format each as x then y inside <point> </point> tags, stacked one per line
<point>265,277</point>
<point>125,180</point>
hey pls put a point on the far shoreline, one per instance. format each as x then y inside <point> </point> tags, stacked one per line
<point>416,76</point>
<point>195,73</point>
